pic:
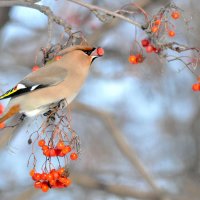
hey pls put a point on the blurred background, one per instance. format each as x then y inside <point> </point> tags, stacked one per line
<point>138,124</point>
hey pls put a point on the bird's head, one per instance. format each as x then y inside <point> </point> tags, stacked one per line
<point>86,52</point>
<point>94,53</point>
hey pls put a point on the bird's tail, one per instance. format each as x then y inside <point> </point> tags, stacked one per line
<point>11,112</point>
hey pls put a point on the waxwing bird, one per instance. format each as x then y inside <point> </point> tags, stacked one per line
<point>55,81</point>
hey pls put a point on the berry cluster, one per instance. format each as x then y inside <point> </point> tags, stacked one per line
<point>159,23</point>
<point>157,27</point>
<point>135,59</point>
<point>53,179</point>
<point>60,145</point>
<point>60,150</point>
<point>150,48</point>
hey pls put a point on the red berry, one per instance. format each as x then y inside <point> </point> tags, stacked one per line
<point>157,22</point>
<point>156,50</point>
<point>50,177</point>
<point>100,51</point>
<point>60,145</point>
<point>145,42</point>
<point>154,29</point>
<point>149,49</point>
<point>44,176</point>
<point>41,143</point>
<point>52,152</point>
<point>61,170</point>
<point>66,150</point>
<point>35,68</point>
<point>57,58</point>
<point>46,152</point>
<point>61,154</point>
<point>61,179</point>
<point>59,184</point>
<point>38,184</point>
<point>55,175</point>
<point>32,172</point>
<point>57,151</point>
<point>132,59</point>
<point>45,187</point>
<point>196,87</point>
<point>45,147</point>
<point>175,15</point>
<point>36,177</point>
<point>74,156</point>
<point>139,58</point>
<point>52,182</point>
<point>171,33</point>
<point>67,182</point>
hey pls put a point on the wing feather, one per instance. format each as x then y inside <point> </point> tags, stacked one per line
<point>44,77</point>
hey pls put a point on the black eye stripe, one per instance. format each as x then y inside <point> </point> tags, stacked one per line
<point>88,52</point>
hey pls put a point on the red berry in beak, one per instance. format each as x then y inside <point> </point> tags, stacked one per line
<point>100,51</point>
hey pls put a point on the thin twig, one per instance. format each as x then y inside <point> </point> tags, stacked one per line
<point>97,9</point>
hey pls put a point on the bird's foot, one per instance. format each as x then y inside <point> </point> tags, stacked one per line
<point>22,117</point>
<point>47,113</point>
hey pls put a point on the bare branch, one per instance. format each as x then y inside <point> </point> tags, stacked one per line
<point>122,143</point>
<point>43,9</point>
<point>87,181</point>
<point>96,10</point>
<point>4,16</point>
<point>180,47</point>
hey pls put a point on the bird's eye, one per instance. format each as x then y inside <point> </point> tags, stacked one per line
<point>88,52</point>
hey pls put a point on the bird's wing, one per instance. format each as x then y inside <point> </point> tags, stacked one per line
<point>44,77</point>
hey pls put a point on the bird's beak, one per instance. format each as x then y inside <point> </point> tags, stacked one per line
<point>98,52</point>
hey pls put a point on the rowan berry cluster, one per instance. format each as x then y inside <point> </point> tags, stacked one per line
<point>60,150</point>
<point>150,48</point>
<point>136,59</point>
<point>58,143</point>
<point>159,27</point>
<point>156,29</point>
<point>53,179</point>
<point>161,23</point>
